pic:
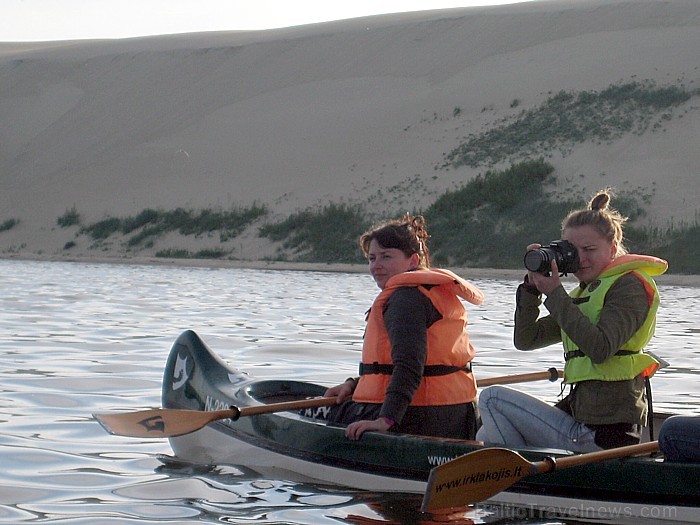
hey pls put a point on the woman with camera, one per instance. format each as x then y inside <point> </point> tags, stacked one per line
<point>604,324</point>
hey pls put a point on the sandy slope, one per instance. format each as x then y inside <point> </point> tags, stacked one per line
<point>325,113</point>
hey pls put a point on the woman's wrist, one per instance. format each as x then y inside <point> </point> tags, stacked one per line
<point>390,422</point>
<point>529,287</point>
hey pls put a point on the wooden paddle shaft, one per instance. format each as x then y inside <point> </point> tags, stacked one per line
<point>291,405</point>
<point>550,464</point>
<point>552,375</point>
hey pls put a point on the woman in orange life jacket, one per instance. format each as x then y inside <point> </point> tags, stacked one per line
<point>415,374</point>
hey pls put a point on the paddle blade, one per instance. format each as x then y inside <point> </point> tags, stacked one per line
<point>159,422</point>
<point>474,477</point>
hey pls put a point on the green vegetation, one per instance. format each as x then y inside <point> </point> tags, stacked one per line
<point>8,224</point>
<point>485,223</point>
<point>327,234</point>
<point>103,229</point>
<point>176,253</point>
<point>569,118</point>
<point>681,249</point>
<point>489,221</point>
<point>152,223</point>
<point>69,218</point>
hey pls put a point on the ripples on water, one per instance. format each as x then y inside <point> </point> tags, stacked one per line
<point>80,338</point>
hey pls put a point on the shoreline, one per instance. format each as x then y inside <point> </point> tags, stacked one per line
<point>691,280</point>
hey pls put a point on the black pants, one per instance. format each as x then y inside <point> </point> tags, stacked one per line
<point>449,421</point>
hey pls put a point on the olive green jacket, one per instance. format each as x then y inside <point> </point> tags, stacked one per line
<point>626,307</point>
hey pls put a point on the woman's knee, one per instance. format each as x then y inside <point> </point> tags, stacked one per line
<point>668,428</point>
<point>679,438</point>
<point>676,426</point>
<point>496,393</point>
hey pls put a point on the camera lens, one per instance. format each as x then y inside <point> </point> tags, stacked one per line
<point>563,252</point>
<point>537,260</point>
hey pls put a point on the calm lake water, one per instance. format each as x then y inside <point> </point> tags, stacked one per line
<point>82,338</point>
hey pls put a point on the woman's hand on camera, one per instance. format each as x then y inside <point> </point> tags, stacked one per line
<point>546,283</point>
<point>530,274</point>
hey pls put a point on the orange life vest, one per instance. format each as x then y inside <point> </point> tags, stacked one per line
<point>447,378</point>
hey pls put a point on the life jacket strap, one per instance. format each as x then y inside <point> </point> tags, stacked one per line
<point>579,353</point>
<point>428,370</point>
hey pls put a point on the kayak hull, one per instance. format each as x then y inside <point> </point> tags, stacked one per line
<point>198,379</point>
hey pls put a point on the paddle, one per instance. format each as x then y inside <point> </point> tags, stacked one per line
<point>170,422</point>
<point>484,473</point>
<point>551,374</point>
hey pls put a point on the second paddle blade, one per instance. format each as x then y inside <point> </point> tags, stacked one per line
<point>159,422</point>
<point>474,477</point>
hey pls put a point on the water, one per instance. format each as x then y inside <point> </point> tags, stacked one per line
<point>82,338</point>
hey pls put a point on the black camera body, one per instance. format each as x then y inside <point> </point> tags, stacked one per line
<point>563,252</point>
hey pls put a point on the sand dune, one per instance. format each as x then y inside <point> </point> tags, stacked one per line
<point>328,112</point>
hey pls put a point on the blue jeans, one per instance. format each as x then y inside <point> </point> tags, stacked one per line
<point>679,438</point>
<point>513,418</point>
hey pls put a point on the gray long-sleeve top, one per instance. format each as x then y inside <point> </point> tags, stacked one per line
<point>407,316</point>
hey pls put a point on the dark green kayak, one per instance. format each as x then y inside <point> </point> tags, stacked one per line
<point>196,378</point>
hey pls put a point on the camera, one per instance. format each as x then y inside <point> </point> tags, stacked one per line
<point>563,252</point>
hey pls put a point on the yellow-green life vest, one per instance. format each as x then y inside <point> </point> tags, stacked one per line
<point>629,361</point>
